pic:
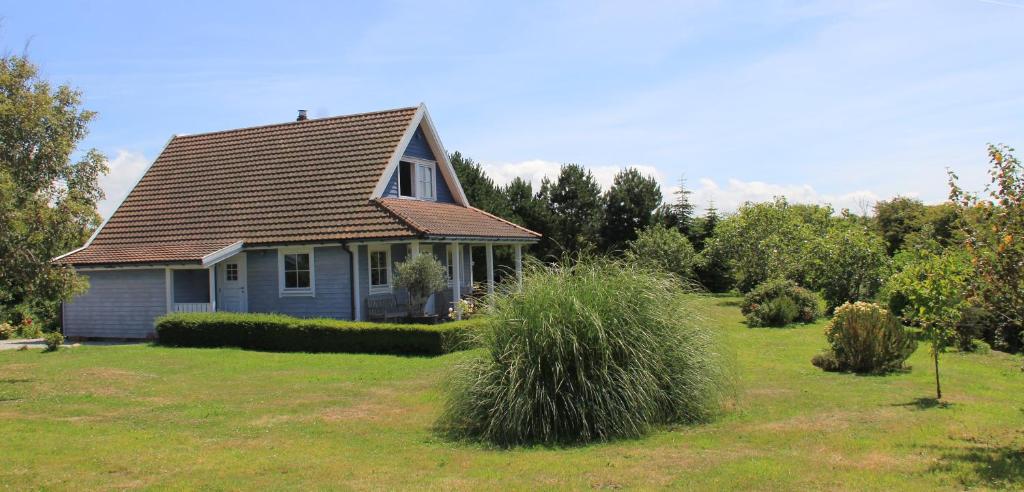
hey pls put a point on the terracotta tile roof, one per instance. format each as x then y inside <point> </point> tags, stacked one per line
<point>302,181</point>
<point>450,220</point>
<point>177,252</point>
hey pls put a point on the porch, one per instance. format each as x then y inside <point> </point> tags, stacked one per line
<point>377,299</point>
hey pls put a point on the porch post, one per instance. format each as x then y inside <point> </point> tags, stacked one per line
<point>490,268</point>
<point>357,299</point>
<point>457,279</point>
<point>415,249</point>
<point>169,284</point>
<point>519,265</point>
<point>213,288</point>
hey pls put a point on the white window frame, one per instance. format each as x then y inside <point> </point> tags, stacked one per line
<point>378,289</point>
<point>417,164</point>
<point>296,292</point>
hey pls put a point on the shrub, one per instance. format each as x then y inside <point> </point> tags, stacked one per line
<point>780,302</point>
<point>584,352</point>
<point>865,338</point>
<point>422,276</point>
<point>287,334</point>
<point>7,331</point>
<point>53,341</point>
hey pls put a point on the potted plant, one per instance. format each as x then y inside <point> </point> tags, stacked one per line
<point>422,276</point>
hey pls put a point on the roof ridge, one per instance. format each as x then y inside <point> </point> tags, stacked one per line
<point>286,123</point>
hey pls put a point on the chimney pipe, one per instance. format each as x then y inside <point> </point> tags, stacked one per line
<point>302,115</point>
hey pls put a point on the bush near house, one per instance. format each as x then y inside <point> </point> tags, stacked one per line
<point>779,303</point>
<point>866,338</point>
<point>280,333</point>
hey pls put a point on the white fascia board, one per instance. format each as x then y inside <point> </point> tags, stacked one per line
<point>396,154</point>
<point>444,164</point>
<point>125,197</point>
<point>222,254</point>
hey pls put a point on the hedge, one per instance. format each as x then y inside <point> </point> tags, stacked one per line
<point>278,333</point>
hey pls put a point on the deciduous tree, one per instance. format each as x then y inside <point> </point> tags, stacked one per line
<point>48,192</point>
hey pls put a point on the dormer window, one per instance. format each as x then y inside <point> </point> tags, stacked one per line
<point>416,179</point>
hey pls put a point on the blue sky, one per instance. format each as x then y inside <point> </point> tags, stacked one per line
<point>845,102</point>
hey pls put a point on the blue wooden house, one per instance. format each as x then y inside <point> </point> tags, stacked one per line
<point>305,218</point>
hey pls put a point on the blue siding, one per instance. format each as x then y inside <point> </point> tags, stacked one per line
<point>392,189</point>
<point>192,285</point>
<point>418,146</point>
<point>444,194</point>
<point>118,304</point>
<point>333,297</point>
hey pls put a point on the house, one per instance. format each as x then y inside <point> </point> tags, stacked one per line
<point>306,218</point>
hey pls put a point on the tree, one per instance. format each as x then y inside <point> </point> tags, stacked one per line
<point>934,289</point>
<point>663,249</point>
<point>993,229</point>
<point>679,213</point>
<point>576,209</point>
<point>629,207</point>
<point>530,211</point>
<point>479,188</point>
<point>768,240</point>
<point>422,275</point>
<point>47,198</point>
<point>846,264</point>
<point>705,227</point>
<point>898,218</point>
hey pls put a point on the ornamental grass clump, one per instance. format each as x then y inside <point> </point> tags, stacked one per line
<point>584,352</point>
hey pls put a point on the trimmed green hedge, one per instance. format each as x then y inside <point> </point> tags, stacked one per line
<point>273,332</point>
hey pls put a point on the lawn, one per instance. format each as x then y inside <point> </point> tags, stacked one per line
<point>143,416</point>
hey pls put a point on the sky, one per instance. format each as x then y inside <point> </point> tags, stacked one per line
<point>822,102</point>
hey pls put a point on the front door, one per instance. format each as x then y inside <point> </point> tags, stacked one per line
<point>231,282</point>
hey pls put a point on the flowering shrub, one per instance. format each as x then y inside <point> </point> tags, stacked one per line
<point>468,309</point>
<point>780,302</point>
<point>6,331</point>
<point>865,337</point>
<point>29,329</point>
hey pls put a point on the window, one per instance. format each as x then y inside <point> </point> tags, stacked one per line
<point>380,270</point>
<point>231,272</point>
<point>405,179</point>
<point>425,181</point>
<point>416,179</point>
<point>295,266</point>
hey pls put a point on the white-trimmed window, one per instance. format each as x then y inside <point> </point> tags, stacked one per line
<point>296,276</point>
<point>231,272</point>
<point>417,179</point>
<point>380,268</point>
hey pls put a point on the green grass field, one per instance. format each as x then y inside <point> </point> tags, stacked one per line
<point>141,416</point>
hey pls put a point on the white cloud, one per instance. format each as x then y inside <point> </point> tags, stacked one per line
<point>727,197</point>
<point>736,192</point>
<point>125,169</point>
